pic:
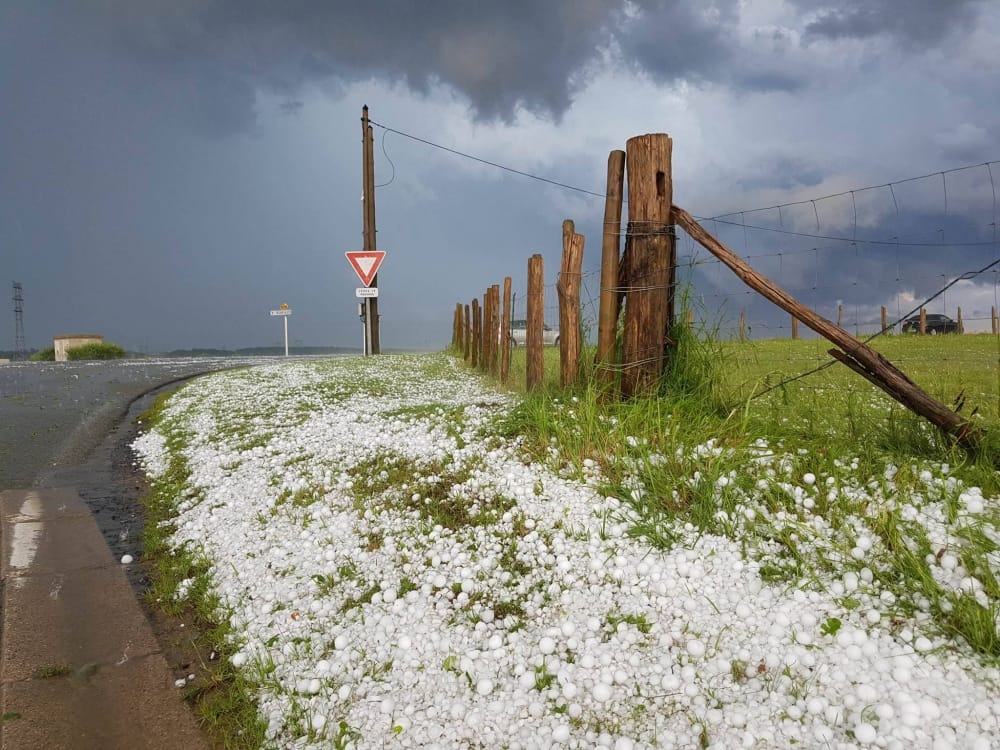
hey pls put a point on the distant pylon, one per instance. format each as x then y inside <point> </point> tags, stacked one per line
<point>20,352</point>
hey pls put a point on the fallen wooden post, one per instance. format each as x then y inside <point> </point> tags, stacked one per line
<point>858,356</point>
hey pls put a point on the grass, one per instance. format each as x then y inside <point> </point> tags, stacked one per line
<point>51,670</point>
<point>224,700</point>
<point>686,457</point>
<point>681,456</point>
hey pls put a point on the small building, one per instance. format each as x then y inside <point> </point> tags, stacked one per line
<point>63,343</point>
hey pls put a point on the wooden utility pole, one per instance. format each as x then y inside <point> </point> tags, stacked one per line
<point>649,297</point>
<point>535,320</point>
<point>607,324</point>
<point>368,179</point>
<point>568,288</point>
<point>858,356</point>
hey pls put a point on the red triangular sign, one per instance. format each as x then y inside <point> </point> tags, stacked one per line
<point>366,265</point>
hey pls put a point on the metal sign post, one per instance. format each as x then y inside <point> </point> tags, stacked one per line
<point>366,265</point>
<point>283,312</point>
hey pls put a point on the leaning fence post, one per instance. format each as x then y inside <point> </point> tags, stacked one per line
<point>607,323</point>
<point>743,324</point>
<point>648,303</point>
<point>535,319</point>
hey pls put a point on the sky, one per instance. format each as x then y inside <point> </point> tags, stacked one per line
<point>170,172</point>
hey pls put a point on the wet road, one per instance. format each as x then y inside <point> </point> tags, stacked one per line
<point>54,414</point>
<point>71,424</point>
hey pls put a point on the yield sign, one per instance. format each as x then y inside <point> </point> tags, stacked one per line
<point>366,264</point>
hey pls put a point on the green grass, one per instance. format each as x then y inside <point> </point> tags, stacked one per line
<point>224,701</point>
<point>832,424</point>
<point>51,670</point>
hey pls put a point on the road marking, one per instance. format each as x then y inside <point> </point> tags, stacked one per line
<point>24,540</point>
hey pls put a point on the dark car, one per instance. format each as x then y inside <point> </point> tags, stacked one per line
<point>934,324</point>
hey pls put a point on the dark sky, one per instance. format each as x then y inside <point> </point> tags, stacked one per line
<point>169,172</point>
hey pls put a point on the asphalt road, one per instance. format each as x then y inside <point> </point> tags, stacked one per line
<point>53,415</point>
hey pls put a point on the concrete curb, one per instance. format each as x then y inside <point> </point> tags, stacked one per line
<point>80,667</point>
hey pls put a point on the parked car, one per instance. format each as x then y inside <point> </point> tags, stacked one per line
<point>519,334</point>
<point>934,324</point>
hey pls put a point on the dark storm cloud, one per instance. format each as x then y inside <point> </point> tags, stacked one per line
<point>910,22</point>
<point>672,40</point>
<point>499,55</point>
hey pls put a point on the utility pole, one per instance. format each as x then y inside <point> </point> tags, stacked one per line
<point>20,352</point>
<point>370,245</point>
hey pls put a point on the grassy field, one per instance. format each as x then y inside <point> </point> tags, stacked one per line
<point>956,370</point>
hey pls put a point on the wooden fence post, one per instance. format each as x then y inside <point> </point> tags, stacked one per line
<point>923,321</point>
<point>994,321</point>
<point>484,362</point>
<point>961,323</point>
<point>885,319</point>
<point>795,328</point>
<point>535,319</point>
<point>475,332</point>
<point>505,332</point>
<point>607,322</point>
<point>484,345</point>
<point>743,324</point>
<point>568,289</point>
<point>495,330</point>
<point>649,298</point>
<point>840,316</point>
<point>456,337</point>
<point>468,333</point>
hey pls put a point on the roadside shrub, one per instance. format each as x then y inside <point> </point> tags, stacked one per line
<point>102,350</point>
<point>44,355</point>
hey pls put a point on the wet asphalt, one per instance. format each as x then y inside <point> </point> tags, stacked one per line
<point>70,424</point>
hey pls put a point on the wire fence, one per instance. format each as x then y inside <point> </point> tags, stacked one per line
<point>865,258</point>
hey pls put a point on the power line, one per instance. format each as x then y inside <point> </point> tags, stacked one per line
<point>487,162</point>
<point>718,217</point>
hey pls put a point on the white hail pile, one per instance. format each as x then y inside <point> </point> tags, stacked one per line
<point>540,623</point>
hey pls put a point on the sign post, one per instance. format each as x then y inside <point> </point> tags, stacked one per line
<point>283,312</point>
<point>366,265</point>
